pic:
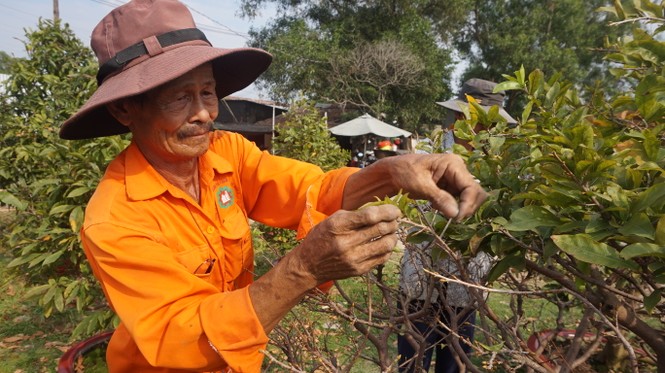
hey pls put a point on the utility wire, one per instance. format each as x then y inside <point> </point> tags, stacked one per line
<point>229,31</point>
<point>112,4</point>
<point>19,10</point>
<point>219,31</point>
<point>225,30</point>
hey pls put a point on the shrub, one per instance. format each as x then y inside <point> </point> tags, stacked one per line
<point>49,181</point>
<point>576,218</point>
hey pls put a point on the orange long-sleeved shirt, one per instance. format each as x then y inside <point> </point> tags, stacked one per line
<point>176,272</point>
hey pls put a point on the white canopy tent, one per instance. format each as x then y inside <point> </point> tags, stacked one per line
<point>366,127</point>
<point>367,124</point>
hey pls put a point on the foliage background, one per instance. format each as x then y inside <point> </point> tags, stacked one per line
<point>313,42</point>
<point>47,180</point>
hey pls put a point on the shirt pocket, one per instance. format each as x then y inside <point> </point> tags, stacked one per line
<point>198,261</point>
<point>237,242</point>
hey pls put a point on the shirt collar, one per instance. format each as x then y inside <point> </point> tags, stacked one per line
<point>144,182</point>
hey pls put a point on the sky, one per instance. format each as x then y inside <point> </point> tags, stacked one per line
<point>218,19</point>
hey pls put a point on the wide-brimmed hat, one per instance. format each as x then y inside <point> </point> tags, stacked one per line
<point>483,92</point>
<point>144,44</point>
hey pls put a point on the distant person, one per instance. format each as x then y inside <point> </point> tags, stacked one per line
<point>482,91</point>
<point>452,296</point>
<point>167,230</point>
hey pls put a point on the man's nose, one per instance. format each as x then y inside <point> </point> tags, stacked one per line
<point>200,111</point>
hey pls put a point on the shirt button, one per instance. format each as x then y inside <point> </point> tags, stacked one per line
<point>210,230</point>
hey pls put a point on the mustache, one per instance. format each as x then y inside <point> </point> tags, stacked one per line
<point>195,130</point>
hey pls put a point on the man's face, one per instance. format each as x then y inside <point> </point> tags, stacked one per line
<point>172,123</point>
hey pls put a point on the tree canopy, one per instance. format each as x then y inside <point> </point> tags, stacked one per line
<point>564,36</point>
<point>378,57</point>
<point>48,181</point>
<point>5,62</point>
<point>325,49</point>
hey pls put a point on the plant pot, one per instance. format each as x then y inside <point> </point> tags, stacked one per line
<point>70,361</point>
<point>558,339</point>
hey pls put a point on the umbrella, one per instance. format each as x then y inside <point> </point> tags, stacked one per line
<point>367,124</point>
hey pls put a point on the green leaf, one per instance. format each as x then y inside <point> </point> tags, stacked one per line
<point>527,111</point>
<point>583,247</point>
<point>418,238</point>
<point>653,299</point>
<point>514,260</point>
<point>552,94</point>
<point>493,348</point>
<point>59,300</point>
<point>22,260</point>
<point>650,198</point>
<point>52,258</point>
<point>549,249</point>
<point>11,200</point>
<point>50,293</point>
<point>78,192</point>
<point>531,217</point>
<point>60,209</point>
<point>643,249</point>
<point>507,86</point>
<point>37,291</point>
<point>76,218</point>
<point>638,225</point>
<point>660,231</point>
<point>649,97</point>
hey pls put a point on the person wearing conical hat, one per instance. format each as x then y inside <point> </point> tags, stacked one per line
<point>167,230</point>
<point>483,92</point>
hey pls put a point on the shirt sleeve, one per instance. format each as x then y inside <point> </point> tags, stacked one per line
<point>283,192</point>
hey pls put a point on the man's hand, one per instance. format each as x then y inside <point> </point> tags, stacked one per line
<point>346,244</point>
<point>349,243</point>
<point>443,179</point>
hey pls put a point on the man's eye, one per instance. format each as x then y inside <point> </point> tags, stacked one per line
<point>209,95</point>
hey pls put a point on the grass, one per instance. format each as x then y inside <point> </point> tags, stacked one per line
<point>29,342</point>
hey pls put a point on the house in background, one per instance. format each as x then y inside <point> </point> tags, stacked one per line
<point>253,118</point>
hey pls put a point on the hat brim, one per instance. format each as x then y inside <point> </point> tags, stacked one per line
<point>459,106</point>
<point>234,69</point>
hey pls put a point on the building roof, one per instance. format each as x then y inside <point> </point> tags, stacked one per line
<point>243,127</point>
<point>273,104</point>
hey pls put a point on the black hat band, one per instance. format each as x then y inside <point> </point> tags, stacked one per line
<point>139,49</point>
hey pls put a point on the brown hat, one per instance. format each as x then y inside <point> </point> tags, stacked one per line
<point>483,92</point>
<point>144,44</point>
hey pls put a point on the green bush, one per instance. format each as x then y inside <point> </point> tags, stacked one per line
<point>576,213</point>
<point>303,135</point>
<point>575,218</point>
<point>47,180</point>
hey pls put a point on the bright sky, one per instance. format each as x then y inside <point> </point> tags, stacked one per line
<point>218,19</point>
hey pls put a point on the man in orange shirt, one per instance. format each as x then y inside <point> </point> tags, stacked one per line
<point>167,231</point>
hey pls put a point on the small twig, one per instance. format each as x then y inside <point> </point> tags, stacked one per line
<point>493,290</point>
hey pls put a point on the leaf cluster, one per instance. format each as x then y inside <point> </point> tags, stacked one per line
<point>576,191</point>
<point>575,220</point>
<point>346,53</point>
<point>46,180</point>
<point>304,135</point>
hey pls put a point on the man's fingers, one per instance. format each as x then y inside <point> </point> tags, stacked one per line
<point>445,203</point>
<point>470,199</point>
<point>375,252</point>
<point>366,217</point>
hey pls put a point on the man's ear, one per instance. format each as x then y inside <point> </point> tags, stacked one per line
<point>120,109</point>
